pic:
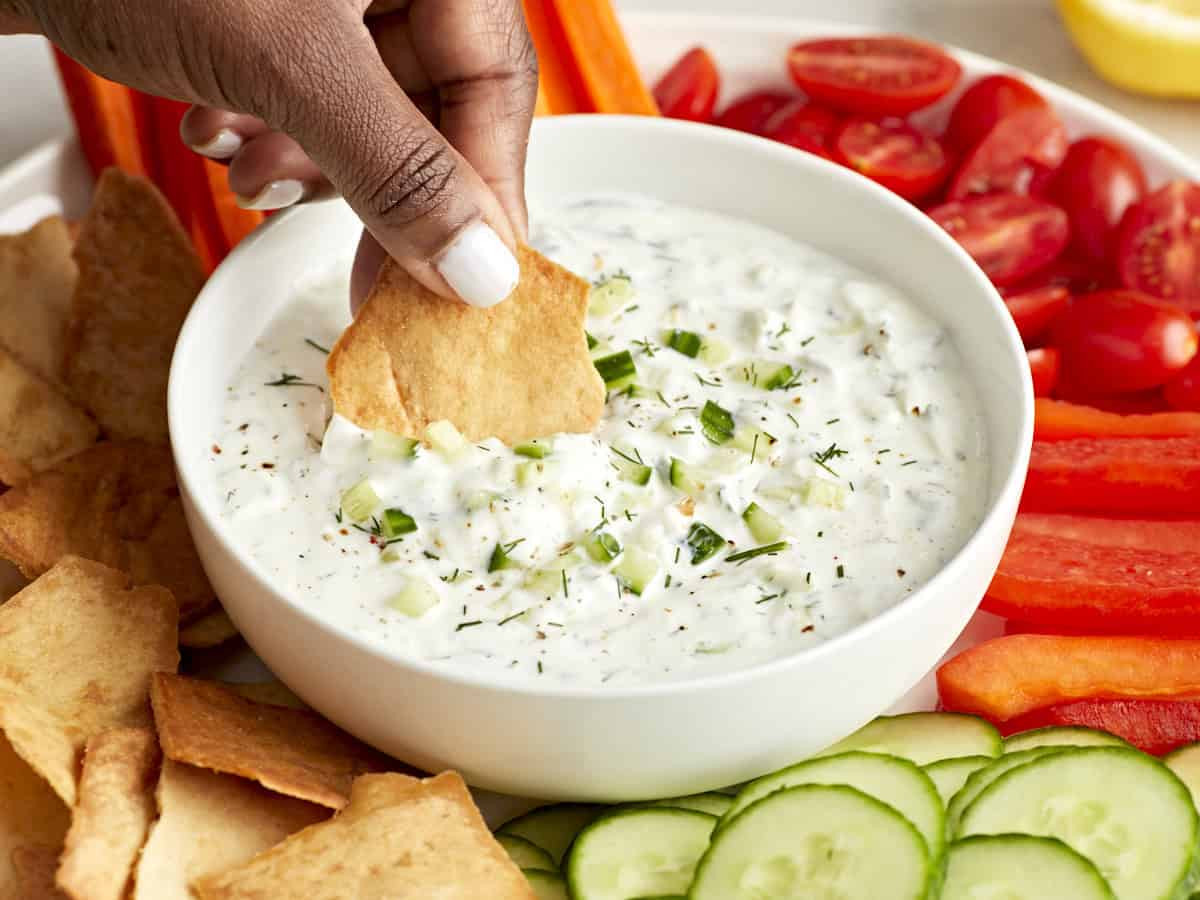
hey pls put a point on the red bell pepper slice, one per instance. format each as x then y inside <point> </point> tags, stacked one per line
<point>1126,476</point>
<point>1155,726</point>
<point>1010,676</point>
<point>1057,420</point>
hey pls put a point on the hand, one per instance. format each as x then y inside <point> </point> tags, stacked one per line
<point>416,111</point>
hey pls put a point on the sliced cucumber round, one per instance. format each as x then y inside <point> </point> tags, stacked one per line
<point>815,841</point>
<point>547,885</point>
<point>890,779</point>
<point>1061,736</point>
<point>949,775</point>
<point>1020,867</point>
<point>1185,763</point>
<point>1125,811</point>
<point>526,854</point>
<point>924,737</point>
<point>712,803</point>
<point>638,852</point>
<point>552,828</point>
<point>981,779</point>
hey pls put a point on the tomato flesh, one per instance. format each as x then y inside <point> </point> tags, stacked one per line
<point>1183,391</point>
<point>689,88</point>
<point>873,76</point>
<point>1043,367</point>
<point>1158,248</point>
<point>1097,182</point>
<point>803,125</point>
<point>1034,311</point>
<point>1068,271</point>
<point>985,103</point>
<point>894,154</point>
<point>1020,152</point>
<point>750,112</point>
<point>1010,236</point>
<point>1119,341</point>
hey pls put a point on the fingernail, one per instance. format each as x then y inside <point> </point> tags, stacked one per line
<point>276,195</point>
<point>223,145</point>
<point>479,267</point>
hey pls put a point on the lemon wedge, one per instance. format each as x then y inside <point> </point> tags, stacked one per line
<point>1146,46</point>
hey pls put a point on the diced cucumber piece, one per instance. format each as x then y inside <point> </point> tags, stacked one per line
<point>766,375</point>
<point>525,853</point>
<point>1185,763</point>
<point>549,579</point>
<point>533,449</point>
<point>714,351</point>
<point>822,492</point>
<point>360,501</point>
<point>630,467</point>
<point>387,446</point>
<point>1122,809</point>
<point>609,294</point>
<point>417,598</point>
<point>716,422</point>
<point>636,569</point>
<point>637,852</point>
<point>1020,866</point>
<point>712,803</point>
<point>591,341</point>
<point>764,526</point>
<point>981,778</point>
<point>445,438</point>
<point>924,737</point>
<point>752,440</point>
<point>688,478</point>
<point>818,841</point>
<point>547,885</point>
<point>500,560</point>
<point>553,827</point>
<point>892,780</point>
<point>617,369</point>
<point>1061,736</point>
<point>535,473</point>
<point>477,500</point>
<point>396,522</point>
<point>949,775</point>
<point>686,342</point>
<point>703,542</point>
<point>602,547</point>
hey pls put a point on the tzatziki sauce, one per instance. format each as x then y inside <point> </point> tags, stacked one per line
<point>789,448</point>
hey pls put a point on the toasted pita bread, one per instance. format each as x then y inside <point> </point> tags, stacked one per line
<point>211,630</point>
<point>77,648</point>
<point>138,276</point>
<point>39,426</point>
<point>290,751</point>
<point>11,580</point>
<point>209,823</point>
<point>517,371</point>
<point>34,865</point>
<point>31,817</point>
<point>112,814</point>
<point>273,693</point>
<point>37,279</point>
<point>400,838</point>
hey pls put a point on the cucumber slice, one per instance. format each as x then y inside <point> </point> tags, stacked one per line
<point>602,547</point>
<point>753,440</point>
<point>629,469</point>
<point>552,828</point>
<point>924,737</point>
<point>617,369</point>
<point>716,422</point>
<point>1061,736</point>
<point>546,885</point>
<point>638,852</point>
<point>359,501</point>
<point>712,803</point>
<point>636,569</point>
<point>1122,809</point>
<point>823,493</point>
<point>386,446</point>
<point>714,351</point>
<point>764,526</point>
<point>702,542</point>
<point>1185,763</point>
<point>891,780</point>
<point>979,780</point>
<point>686,342</point>
<point>526,854</point>
<point>688,479</point>
<point>818,841</point>
<point>416,599</point>
<point>1020,867</point>
<point>949,775</point>
<point>610,293</point>
<point>445,438</point>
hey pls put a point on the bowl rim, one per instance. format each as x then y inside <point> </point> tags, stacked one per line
<point>194,483</point>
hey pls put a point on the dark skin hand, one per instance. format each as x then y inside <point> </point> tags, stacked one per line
<point>416,111</point>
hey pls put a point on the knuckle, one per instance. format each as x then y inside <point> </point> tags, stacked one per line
<point>417,185</point>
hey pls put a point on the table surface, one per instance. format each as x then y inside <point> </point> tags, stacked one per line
<point>1025,33</point>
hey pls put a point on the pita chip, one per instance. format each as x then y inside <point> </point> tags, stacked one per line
<point>34,865</point>
<point>290,751</point>
<point>112,814</point>
<point>11,580</point>
<point>209,823</point>
<point>39,426</point>
<point>399,837</point>
<point>32,818</point>
<point>138,276</point>
<point>517,371</point>
<point>211,630</point>
<point>37,279</point>
<point>273,693</point>
<point>77,649</point>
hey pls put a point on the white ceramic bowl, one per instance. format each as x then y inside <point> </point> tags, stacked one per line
<point>646,741</point>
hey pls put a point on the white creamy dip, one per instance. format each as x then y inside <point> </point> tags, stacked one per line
<point>865,460</point>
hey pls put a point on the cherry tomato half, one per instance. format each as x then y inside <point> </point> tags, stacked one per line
<point>1010,236</point>
<point>1069,271</point>
<point>1158,249</point>
<point>1116,341</point>
<point>894,154</point>
<point>1019,151</point>
<point>1035,311</point>
<point>984,104</point>
<point>1183,391</point>
<point>1098,180</point>
<point>750,112</point>
<point>873,76</point>
<point>689,89</point>
<point>1043,366</point>
<point>805,125</point>
<point>1135,403</point>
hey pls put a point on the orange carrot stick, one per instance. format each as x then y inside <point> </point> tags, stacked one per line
<point>105,118</point>
<point>234,222</point>
<point>561,90</point>
<point>602,57</point>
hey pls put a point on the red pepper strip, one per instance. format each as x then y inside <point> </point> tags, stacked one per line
<point>1013,675</point>
<point>1126,476</point>
<point>1056,420</point>
<point>1155,726</point>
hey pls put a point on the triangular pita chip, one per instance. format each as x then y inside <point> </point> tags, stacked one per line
<point>273,693</point>
<point>112,814</point>
<point>39,426</point>
<point>291,751</point>
<point>138,276</point>
<point>517,371</point>
<point>37,279</point>
<point>34,865</point>
<point>208,823</point>
<point>211,630</point>
<point>31,817</point>
<point>400,838</point>
<point>77,649</point>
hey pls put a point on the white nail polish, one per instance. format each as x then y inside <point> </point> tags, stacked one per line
<point>479,266</point>
<point>276,195</point>
<point>223,145</point>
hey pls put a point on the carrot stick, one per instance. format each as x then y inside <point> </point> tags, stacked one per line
<point>233,221</point>
<point>602,57</point>
<point>105,118</point>
<point>561,90</point>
